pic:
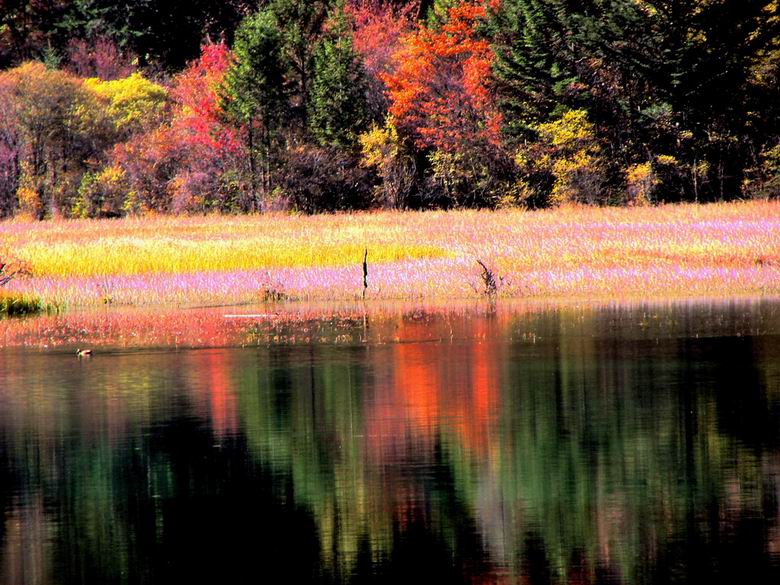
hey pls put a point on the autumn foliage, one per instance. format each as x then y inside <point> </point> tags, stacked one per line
<point>379,28</point>
<point>347,104</point>
<point>182,165</point>
<point>439,88</point>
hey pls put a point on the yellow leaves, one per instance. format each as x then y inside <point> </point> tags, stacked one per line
<point>30,204</point>
<point>571,128</point>
<point>667,160</point>
<point>567,151</point>
<point>29,193</point>
<point>47,100</point>
<point>131,102</point>
<point>641,180</point>
<point>101,194</point>
<point>113,175</point>
<point>379,144</point>
<point>772,156</point>
<point>764,179</point>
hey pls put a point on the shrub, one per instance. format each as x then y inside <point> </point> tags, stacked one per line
<point>641,181</point>
<point>672,179</point>
<point>102,194</point>
<point>461,181</point>
<point>149,162</point>
<point>28,193</point>
<point>132,103</point>
<point>100,57</point>
<point>565,163</point>
<point>764,179</point>
<point>20,305</point>
<point>383,150</point>
<point>316,179</point>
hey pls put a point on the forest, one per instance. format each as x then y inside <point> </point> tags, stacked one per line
<point>115,108</point>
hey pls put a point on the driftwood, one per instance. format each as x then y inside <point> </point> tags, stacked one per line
<point>488,280</point>
<point>365,273</point>
<point>5,278</point>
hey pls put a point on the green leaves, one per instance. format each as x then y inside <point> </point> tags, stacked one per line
<point>253,85</point>
<point>338,95</point>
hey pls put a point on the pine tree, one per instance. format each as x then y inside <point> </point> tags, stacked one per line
<point>681,83</point>
<point>668,78</point>
<point>254,96</point>
<point>534,77</point>
<point>300,24</point>
<point>338,92</point>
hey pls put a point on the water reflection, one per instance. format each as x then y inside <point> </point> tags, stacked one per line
<point>564,446</point>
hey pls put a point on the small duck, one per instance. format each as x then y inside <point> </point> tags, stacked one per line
<point>83,352</point>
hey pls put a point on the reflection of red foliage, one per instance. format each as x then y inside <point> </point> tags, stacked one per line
<point>475,412</point>
<point>222,399</point>
<point>417,382</point>
<point>418,402</point>
<point>440,86</point>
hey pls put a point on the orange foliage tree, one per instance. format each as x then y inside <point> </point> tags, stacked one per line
<point>379,27</point>
<point>440,87</point>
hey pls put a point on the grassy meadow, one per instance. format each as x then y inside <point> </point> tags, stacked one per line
<point>726,249</point>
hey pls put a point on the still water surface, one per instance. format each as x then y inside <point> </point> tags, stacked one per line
<point>612,445</point>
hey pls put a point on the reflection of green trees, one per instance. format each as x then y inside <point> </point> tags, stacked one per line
<point>611,448</point>
<point>301,411</point>
<point>604,447</point>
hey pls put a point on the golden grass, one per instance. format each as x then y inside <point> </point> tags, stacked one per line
<point>177,245</point>
<point>173,255</point>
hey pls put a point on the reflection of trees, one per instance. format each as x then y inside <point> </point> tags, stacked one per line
<point>553,448</point>
<point>602,448</point>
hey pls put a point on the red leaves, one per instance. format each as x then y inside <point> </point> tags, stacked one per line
<point>180,165</point>
<point>379,28</point>
<point>440,90</point>
<point>198,121</point>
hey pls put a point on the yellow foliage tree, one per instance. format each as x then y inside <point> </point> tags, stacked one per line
<point>568,153</point>
<point>54,139</point>
<point>132,103</point>
<point>641,181</point>
<point>382,149</point>
<point>101,194</point>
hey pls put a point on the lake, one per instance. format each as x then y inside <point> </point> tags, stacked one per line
<point>571,445</point>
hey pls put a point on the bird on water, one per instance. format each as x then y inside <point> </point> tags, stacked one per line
<point>83,352</point>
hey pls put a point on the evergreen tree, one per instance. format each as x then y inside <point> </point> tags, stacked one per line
<point>534,76</point>
<point>338,92</point>
<point>682,84</point>
<point>254,94</point>
<point>659,78</point>
<point>300,24</point>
